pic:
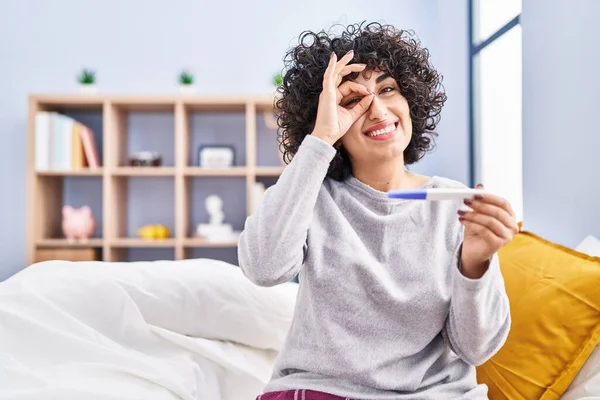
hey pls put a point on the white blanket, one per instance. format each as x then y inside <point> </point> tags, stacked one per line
<point>166,330</point>
<point>74,331</point>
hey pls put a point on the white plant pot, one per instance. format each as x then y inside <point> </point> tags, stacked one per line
<point>88,89</point>
<point>187,89</point>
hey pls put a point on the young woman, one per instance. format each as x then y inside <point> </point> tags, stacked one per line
<point>398,299</point>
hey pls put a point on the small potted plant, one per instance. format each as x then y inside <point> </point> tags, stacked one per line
<point>277,82</point>
<point>87,81</point>
<point>186,82</point>
<point>277,79</point>
<point>269,118</point>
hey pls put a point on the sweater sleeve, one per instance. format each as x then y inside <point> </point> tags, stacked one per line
<point>272,244</point>
<point>479,319</point>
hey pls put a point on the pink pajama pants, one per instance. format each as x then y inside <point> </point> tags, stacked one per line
<point>299,394</point>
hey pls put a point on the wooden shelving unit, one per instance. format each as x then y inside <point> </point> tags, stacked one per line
<point>46,190</point>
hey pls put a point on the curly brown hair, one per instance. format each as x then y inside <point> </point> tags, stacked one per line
<point>380,47</point>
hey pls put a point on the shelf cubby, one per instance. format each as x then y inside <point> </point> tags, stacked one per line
<point>140,201</point>
<point>216,127</point>
<point>89,112</point>
<point>79,191</point>
<point>56,191</point>
<point>231,190</point>
<point>142,128</point>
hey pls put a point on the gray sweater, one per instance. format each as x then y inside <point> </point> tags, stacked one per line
<point>383,311</point>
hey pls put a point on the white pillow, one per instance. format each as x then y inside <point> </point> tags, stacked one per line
<point>587,380</point>
<point>199,297</point>
<point>590,245</point>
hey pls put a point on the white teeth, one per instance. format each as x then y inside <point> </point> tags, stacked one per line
<point>378,132</point>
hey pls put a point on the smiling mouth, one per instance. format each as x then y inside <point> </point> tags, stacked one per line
<point>386,131</point>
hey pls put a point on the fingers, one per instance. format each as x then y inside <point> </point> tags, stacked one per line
<point>343,61</point>
<point>358,100</point>
<point>351,68</point>
<point>484,232</point>
<point>362,106</point>
<point>348,69</point>
<point>491,213</point>
<point>491,224</point>
<point>490,209</point>
<point>329,75</point>
<point>334,74</point>
<point>330,70</point>
<point>334,69</point>
<point>347,88</point>
<point>495,200</point>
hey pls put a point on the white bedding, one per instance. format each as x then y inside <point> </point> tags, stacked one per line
<point>81,331</point>
<point>194,329</point>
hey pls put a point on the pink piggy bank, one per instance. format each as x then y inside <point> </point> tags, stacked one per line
<point>78,223</point>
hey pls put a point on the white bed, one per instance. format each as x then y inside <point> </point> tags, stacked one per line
<point>194,329</point>
<point>168,330</point>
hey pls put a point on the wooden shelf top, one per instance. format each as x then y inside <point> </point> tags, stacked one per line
<point>269,171</point>
<point>150,101</point>
<point>76,172</point>
<point>143,171</point>
<point>139,242</point>
<point>61,242</point>
<point>232,171</point>
<point>200,242</point>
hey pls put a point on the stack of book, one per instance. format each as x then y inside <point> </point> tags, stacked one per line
<point>63,144</point>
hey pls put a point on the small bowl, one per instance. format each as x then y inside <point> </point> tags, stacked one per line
<point>145,159</point>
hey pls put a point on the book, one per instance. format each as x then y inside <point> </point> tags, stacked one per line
<point>63,143</point>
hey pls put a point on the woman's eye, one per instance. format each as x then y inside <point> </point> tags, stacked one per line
<point>352,101</point>
<point>388,89</point>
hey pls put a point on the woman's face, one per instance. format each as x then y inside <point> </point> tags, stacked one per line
<point>384,130</point>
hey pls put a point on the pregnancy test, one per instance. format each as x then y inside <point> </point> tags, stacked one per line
<point>435,194</point>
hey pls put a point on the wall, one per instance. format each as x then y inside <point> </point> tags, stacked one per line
<point>561,60</point>
<point>140,46</point>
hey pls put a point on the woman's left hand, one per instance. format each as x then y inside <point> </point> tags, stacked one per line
<point>488,227</point>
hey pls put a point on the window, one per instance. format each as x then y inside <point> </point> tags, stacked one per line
<point>492,15</point>
<point>496,101</point>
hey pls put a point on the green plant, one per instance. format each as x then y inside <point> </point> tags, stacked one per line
<point>186,78</point>
<point>277,79</point>
<point>87,77</point>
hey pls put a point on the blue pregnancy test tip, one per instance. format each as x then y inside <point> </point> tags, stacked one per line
<point>419,194</point>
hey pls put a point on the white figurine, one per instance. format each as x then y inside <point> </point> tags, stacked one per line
<point>214,208</point>
<point>215,229</point>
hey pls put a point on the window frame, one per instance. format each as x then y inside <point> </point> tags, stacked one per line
<point>475,47</point>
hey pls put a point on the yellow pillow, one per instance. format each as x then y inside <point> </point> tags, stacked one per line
<point>554,297</point>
